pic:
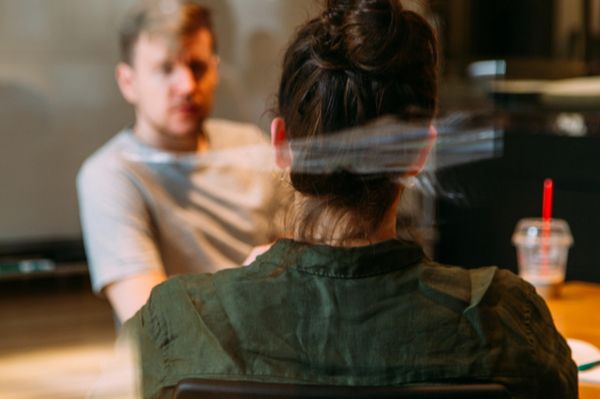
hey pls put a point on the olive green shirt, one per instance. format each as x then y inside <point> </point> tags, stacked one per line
<point>376,315</point>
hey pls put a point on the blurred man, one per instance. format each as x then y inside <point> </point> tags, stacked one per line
<point>166,195</point>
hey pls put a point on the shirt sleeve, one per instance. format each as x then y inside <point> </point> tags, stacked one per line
<point>148,333</point>
<point>556,370</point>
<point>149,363</point>
<point>118,231</point>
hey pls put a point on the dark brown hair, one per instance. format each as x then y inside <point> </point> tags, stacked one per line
<point>358,61</point>
<point>184,19</point>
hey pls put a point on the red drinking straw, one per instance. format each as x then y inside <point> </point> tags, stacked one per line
<point>546,222</point>
<point>547,206</point>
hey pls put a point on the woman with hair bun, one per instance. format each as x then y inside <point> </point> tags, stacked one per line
<point>344,302</point>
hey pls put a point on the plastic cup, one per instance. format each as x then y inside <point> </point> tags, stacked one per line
<point>542,252</point>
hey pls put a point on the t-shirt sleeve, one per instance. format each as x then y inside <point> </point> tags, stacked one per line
<point>556,370</point>
<point>159,344</point>
<point>117,226</point>
<point>142,332</point>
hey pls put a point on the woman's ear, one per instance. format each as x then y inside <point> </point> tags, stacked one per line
<point>281,146</point>
<point>421,160</point>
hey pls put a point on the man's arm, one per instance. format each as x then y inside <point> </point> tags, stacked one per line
<point>256,252</point>
<point>129,295</point>
<point>123,254</point>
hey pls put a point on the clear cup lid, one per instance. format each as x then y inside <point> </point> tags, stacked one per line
<point>530,231</point>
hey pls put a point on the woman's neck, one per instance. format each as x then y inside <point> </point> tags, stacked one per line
<point>332,229</point>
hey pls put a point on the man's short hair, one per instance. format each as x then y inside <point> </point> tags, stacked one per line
<point>173,19</point>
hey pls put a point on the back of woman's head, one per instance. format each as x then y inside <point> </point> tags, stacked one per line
<point>356,62</point>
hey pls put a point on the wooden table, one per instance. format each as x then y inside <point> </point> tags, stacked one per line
<point>575,314</point>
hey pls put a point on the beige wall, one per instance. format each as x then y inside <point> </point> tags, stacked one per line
<point>58,102</point>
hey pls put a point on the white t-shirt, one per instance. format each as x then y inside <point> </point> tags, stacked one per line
<point>146,210</point>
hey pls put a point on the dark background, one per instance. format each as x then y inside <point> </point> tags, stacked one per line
<point>477,231</point>
<point>510,188</point>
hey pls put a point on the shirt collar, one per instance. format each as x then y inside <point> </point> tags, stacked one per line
<point>344,262</point>
<point>255,157</point>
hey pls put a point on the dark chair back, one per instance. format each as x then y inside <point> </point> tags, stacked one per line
<point>218,389</point>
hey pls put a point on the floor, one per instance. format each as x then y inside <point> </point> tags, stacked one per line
<point>55,336</point>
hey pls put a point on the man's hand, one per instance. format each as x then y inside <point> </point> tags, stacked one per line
<point>129,295</point>
<point>257,251</point>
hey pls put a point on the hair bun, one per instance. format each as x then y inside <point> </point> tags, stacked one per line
<point>373,36</point>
